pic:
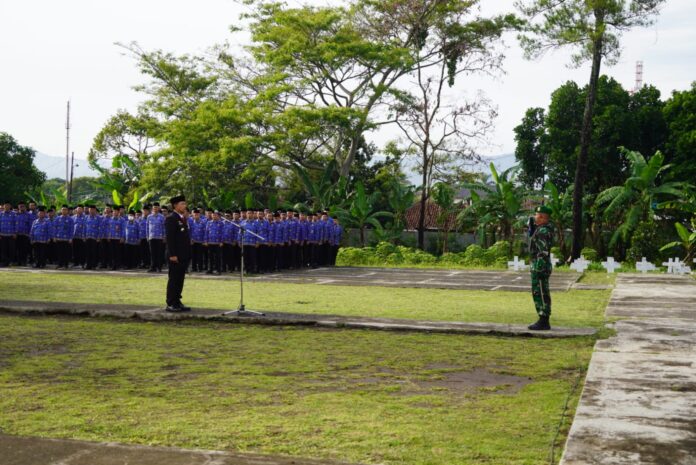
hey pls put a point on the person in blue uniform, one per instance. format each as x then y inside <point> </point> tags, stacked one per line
<point>63,229</point>
<point>228,231</point>
<point>8,234</point>
<point>117,237</point>
<point>22,243</point>
<point>313,237</point>
<point>104,246</point>
<point>213,241</point>
<point>132,242</point>
<point>197,231</point>
<point>155,237</point>
<point>92,236</point>
<point>78,244</point>
<point>336,236</point>
<point>40,236</point>
<point>178,241</point>
<point>249,242</point>
<point>293,247</point>
<point>236,242</point>
<point>302,247</point>
<point>144,245</point>
<point>263,249</point>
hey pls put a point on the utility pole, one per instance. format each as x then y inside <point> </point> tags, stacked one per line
<point>67,149</point>
<point>72,173</point>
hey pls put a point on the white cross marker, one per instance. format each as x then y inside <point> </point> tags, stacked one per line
<point>644,266</point>
<point>673,265</point>
<point>579,264</point>
<point>682,268</point>
<point>555,260</point>
<point>517,265</point>
<point>610,265</point>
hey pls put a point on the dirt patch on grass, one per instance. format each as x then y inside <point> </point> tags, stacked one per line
<point>478,379</point>
<point>454,382</point>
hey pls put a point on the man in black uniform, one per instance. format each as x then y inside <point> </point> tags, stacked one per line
<point>178,253</point>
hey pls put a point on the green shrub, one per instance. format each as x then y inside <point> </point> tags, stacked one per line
<point>475,255</point>
<point>498,254</point>
<point>384,249</point>
<point>394,259</point>
<point>556,251</point>
<point>644,243</point>
<point>418,257</point>
<point>453,259</point>
<point>590,254</point>
<point>519,248</point>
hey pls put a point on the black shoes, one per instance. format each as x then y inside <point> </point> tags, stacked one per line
<point>541,325</point>
<point>180,308</point>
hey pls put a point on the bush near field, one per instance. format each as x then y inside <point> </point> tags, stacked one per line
<point>474,256</point>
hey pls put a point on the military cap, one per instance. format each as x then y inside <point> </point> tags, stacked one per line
<point>41,208</point>
<point>543,209</point>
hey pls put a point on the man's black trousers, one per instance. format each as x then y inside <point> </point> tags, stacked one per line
<point>175,284</point>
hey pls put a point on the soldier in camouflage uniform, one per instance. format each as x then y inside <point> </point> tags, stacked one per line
<point>540,243</point>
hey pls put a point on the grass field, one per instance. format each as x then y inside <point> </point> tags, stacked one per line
<point>359,396</point>
<point>572,308</point>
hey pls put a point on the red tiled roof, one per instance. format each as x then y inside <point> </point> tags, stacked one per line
<point>432,210</point>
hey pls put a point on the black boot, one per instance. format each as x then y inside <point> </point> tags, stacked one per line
<point>541,325</point>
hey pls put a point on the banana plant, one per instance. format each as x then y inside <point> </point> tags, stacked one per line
<point>325,194</point>
<point>361,211</point>
<point>687,241</point>
<point>443,196</point>
<point>561,205</point>
<point>637,198</point>
<point>500,206</point>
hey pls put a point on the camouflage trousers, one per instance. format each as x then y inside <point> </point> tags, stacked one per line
<point>541,294</point>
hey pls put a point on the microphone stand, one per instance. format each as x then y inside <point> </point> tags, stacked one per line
<point>241,310</point>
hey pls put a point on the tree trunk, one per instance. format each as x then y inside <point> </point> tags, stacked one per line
<point>362,235</point>
<point>585,139</point>
<point>421,217</point>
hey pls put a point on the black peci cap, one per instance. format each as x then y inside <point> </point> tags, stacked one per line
<point>176,199</point>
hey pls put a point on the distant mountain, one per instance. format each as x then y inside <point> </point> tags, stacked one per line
<point>54,167</point>
<point>501,162</point>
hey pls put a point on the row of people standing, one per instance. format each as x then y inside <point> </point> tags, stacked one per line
<point>87,238</point>
<point>269,241</point>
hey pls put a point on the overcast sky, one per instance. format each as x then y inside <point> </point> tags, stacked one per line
<point>52,51</point>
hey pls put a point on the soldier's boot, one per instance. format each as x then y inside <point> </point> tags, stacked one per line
<point>541,325</point>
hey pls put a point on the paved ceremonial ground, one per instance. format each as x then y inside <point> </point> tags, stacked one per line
<point>386,277</point>
<point>639,402</point>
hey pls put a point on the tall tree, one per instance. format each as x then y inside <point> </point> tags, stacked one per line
<point>351,59</point>
<point>531,150</point>
<point>593,29</point>
<point>680,147</point>
<point>620,119</point>
<point>18,173</point>
<point>442,130</point>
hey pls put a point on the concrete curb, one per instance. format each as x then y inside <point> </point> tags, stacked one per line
<point>149,313</point>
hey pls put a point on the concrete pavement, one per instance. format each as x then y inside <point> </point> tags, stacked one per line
<point>638,405</point>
